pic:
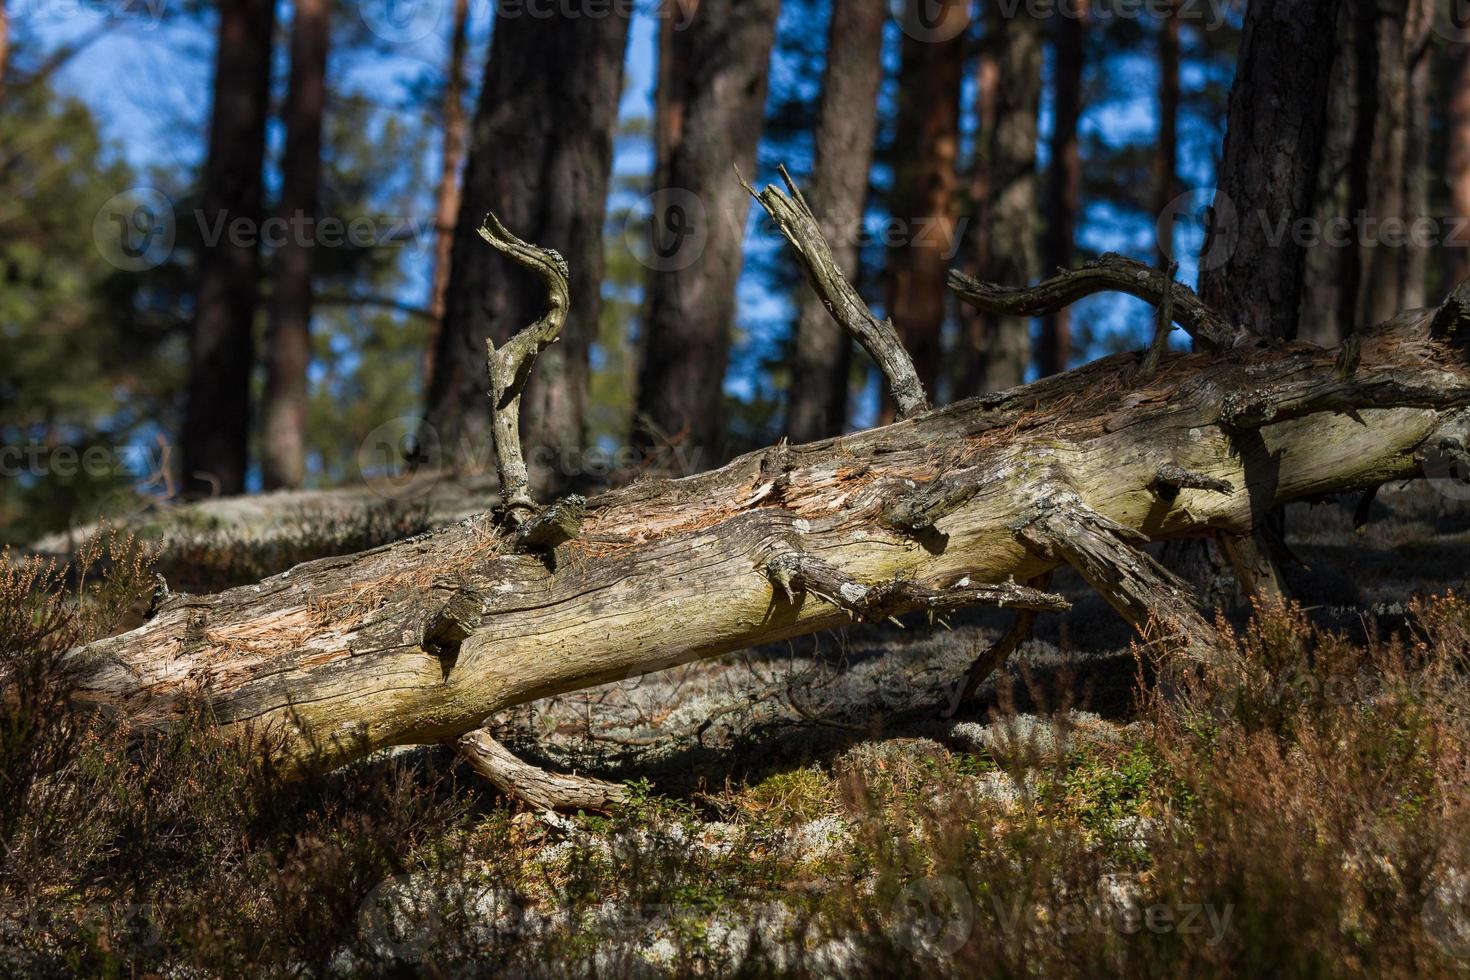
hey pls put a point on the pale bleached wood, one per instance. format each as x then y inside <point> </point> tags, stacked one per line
<point>422,640</point>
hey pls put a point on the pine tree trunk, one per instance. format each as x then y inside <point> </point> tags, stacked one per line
<point>1457,174</point>
<point>719,62</point>
<point>1415,257</point>
<point>1387,123</point>
<point>973,322</point>
<point>925,178</point>
<point>1327,266</point>
<point>1273,146</point>
<point>1251,265</point>
<point>1166,160</point>
<point>847,123</point>
<point>1370,258</point>
<point>540,155</point>
<point>216,433</point>
<point>447,196</point>
<point>1004,348</point>
<point>283,455</point>
<point>1064,178</point>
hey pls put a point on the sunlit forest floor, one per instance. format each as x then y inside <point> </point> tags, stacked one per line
<point>805,809</point>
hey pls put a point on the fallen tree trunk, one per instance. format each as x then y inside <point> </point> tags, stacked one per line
<point>422,640</point>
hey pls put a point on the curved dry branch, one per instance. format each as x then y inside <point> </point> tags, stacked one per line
<point>510,365</point>
<point>1110,273</point>
<point>878,337</point>
<point>541,788</point>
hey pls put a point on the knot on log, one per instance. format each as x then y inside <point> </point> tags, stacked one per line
<point>554,526</point>
<point>923,507</point>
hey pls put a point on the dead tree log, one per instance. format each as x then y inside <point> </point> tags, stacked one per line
<point>422,640</point>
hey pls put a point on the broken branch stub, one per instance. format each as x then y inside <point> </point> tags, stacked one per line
<point>994,657</point>
<point>1109,556</point>
<point>878,337</point>
<point>794,574</point>
<point>510,365</point>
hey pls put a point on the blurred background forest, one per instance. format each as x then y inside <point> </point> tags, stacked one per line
<point>237,239</point>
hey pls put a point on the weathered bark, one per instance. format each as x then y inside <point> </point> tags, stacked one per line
<point>1110,273</point>
<point>551,91</point>
<point>847,122</point>
<point>925,178</point>
<point>216,431</point>
<point>879,338</point>
<point>1064,176</point>
<point>421,640</point>
<point>288,355</point>
<point>1004,347</point>
<point>721,60</point>
<point>508,365</point>
<point>447,195</point>
<point>1268,170</point>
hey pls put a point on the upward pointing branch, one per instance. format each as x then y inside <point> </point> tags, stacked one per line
<point>510,365</point>
<point>797,222</point>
